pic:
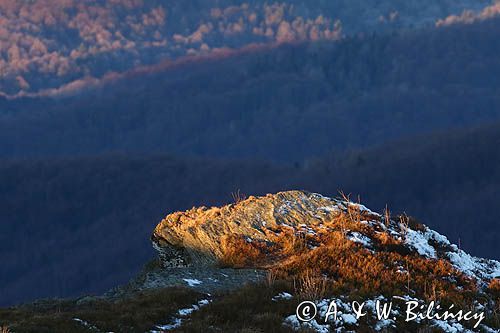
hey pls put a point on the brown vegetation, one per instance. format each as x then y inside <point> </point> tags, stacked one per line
<point>137,313</point>
<point>338,266</point>
<point>494,289</point>
<point>239,252</point>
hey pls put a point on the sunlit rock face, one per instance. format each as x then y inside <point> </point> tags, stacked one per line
<point>203,231</point>
<point>267,231</point>
<point>46,45</point>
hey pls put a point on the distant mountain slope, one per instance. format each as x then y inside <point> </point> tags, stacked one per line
<point>46,44</point>
<point>72,210</point>
<point>282,104</point>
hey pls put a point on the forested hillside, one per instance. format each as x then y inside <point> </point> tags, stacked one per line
<point>81,225</point>
<point>50,44</point>
<point>282,104</point>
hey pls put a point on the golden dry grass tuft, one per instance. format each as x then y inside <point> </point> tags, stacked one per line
<point>239,252</point>
<point>494,290</point>
<point>311,284</point>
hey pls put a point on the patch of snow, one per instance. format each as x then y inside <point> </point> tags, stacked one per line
<point>168,327</point>
<point>420,243</point>
<point>401,270</point>
<point>285,207</point>
<point>362,208</point>
<point>86,324</point>
<point>312,325</point>
<point>192,282</point>
<point>177,322</point>
<point>282,296</point>
<point>406,298</point>
<point>203,302</point>
<point>450,327</point>
<point>330,209</point>
<point>349,319</point>
<point>383,323</point>
<point>437,237</point>
<point>475,267</point>
<point>186,312</point>
<point>359,238</point>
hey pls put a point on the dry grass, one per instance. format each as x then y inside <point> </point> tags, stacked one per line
<point>361,273</point>
<point>291,243</point>
<point>248,309</point>
<point>4,329</point>
<point>138,313</point>
<point>494,291</point>
<point>310,285</point>
<point>239,252</point>
<point>270,278</point>
<point>494,287</point>
<point>238,196</point>
<point>336,265</point>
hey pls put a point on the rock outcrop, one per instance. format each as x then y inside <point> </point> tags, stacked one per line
<point>336,250</point>
<point>264,224</point>
<point>197,234</point>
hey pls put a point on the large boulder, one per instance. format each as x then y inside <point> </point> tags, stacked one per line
<point>200,234</point>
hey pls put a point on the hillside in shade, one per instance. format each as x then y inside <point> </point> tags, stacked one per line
<point>278,250</point>
<point>71,208</point>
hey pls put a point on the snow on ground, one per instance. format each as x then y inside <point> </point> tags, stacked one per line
<point>330,209</point>
<point>193,282</point>
<point>478,268</point>
<point>450,327</point>
<point>168,327</point>
<point>475,267</point>
<point>282,296</point>
<point>293,322</point>
<point>420,243</point>
<point>86,324</point>
<point>359,238</point>
<point>361,208</point>
<point>183,313</point>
